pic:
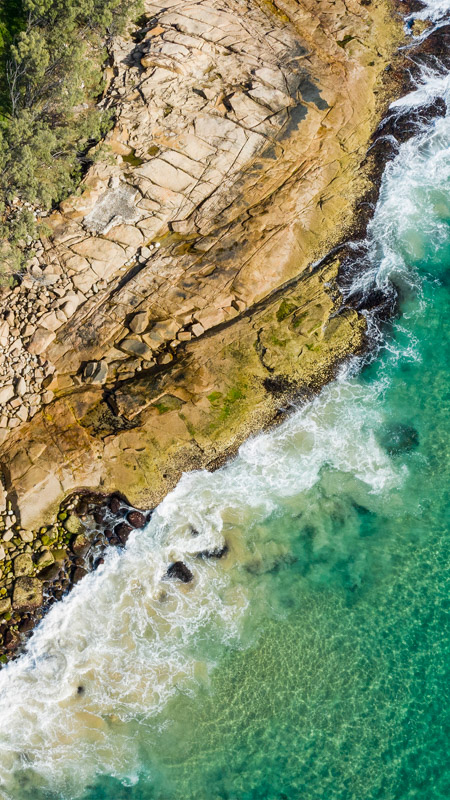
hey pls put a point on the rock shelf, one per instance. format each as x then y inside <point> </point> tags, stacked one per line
<point>192,287</point>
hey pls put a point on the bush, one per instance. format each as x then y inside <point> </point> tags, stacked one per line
<point>52,54</point>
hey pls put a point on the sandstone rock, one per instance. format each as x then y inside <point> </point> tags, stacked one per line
<point>139,322</point>
<point>47,396</point>
<point>21,386</point>
<point>162,331</point>
<point>136,347</point>
<point>6,393</point>
<point>4,333</point>
<point>26,536</point>
<point>23,565</point>
<point>41,339</point>
<point>27,594</point>
<point>96,372</point>
<point>50,321</point>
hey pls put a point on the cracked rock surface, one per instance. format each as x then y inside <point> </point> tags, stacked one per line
<point>178,290</point>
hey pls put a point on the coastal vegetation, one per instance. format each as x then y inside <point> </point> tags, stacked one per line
<point>51,75</point>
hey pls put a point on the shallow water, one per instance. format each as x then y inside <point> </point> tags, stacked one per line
<point>312,661</point>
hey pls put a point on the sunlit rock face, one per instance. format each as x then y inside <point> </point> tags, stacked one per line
<point>161,333</point>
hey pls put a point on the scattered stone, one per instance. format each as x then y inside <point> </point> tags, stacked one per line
<point>6,393</point>
<point>21,386</point>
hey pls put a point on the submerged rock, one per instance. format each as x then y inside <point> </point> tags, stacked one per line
<point>399,438</point>
<point>218,552</point>
<point>180,571</point>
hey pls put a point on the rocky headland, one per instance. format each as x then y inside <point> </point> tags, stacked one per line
<point>190,289</point>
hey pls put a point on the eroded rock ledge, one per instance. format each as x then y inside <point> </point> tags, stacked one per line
<point>185,293</point>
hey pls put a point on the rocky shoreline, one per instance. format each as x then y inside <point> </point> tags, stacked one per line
<point>100,417</point>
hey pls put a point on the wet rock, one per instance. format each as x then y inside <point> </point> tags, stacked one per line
<point>218,552</point>
<point>11,640</point>
<point>49,574</point>
<point>136,518</point>
<point>27,594</point>
<point>180,572</point>
<point>139,322</point>
<point>98,562</point>
<point>115,505</point>
<point>122,531</point>
<point>78,574</point>
<point>26,625</point>
<point>80,545</point>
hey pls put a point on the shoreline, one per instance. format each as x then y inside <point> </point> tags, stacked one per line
<point>280,393</point>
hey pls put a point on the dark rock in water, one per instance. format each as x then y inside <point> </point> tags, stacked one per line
<point>122,532</point>
<point>78,574</point>
<point>26,625</point>
<point>108,533</point>
<point>80,689</point>
<point>218,552</point>
<point>98,562</point>
<point>11,640</point>
<point>179,571</point>
<point>98,517</point>
<point>136,519</point>
<point>49,573</point>
<point>115,505</point>
<point>114,540</point>
<point>399,438</point>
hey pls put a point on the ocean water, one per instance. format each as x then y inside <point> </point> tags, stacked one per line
<point>313,661</point>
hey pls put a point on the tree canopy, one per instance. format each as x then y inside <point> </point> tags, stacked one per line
<point>52,53</point>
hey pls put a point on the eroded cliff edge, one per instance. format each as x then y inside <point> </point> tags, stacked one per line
<point>179,298</point>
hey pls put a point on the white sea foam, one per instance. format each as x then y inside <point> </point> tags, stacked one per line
<point>133,640</point>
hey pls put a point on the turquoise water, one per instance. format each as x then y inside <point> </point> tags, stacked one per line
<point>313,661</point>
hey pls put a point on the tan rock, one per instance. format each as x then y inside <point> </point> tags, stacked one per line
<point>136,347</point>
<point>6,393</point>
<point>41,339</point>
<point>27,594</point>
<point>139,322</point>
<point>23,565</point>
